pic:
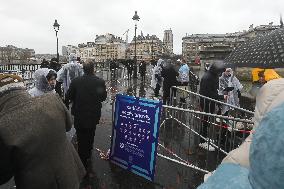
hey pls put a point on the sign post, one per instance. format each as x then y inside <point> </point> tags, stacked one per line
<point>135,134</point>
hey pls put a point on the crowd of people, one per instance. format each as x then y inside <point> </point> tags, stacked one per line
<point>35,150</point>
<point>34,147</point>
<point>169,73</point>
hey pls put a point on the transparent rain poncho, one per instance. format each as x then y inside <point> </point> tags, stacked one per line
<point>41,83</point>
<point>69,71</point>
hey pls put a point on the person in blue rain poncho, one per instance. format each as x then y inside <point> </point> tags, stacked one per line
<point>266,153</point>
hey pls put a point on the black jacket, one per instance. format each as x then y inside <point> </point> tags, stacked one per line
<point>87,94</point>
<point>209,83</point>
<point>169,73</point>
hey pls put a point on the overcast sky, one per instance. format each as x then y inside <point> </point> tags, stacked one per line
<point>28,23</point>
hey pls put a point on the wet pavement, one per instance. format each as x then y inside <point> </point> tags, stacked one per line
<point>168,175</point>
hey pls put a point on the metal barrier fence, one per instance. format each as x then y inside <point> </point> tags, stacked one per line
<point>182,97</point>
<point>181,139</point>
<point>194,135</point>
<point>27,72</point>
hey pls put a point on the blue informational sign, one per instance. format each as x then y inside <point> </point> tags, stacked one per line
<point>135,134</point>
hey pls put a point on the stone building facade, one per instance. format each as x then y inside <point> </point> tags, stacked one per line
<point>12,54</point>
<point>212,47</point>
<point>147,48</point>
<point>67,50</point>
<point>106,47</point>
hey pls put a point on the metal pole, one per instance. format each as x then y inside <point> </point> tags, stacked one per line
<point>57,47</point>
<point>135,59</point>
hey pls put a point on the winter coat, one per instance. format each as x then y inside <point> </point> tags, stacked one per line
<point>266,158</point>
<point>233,99</point>
<point>169,75</point>
<point>41,84</point>
<point>209,83</point>
<point>209,86</point>
<point>87,94</point>
<point>270,95</point>
<point>33,145</point>
<point>68,72</point>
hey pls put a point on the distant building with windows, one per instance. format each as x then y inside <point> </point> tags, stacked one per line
<point>106,47</point>
<point>147,47</point>
<point>212,47</point>
<point>110,47</point>
<point>67,50</point>
<point>13,54</point>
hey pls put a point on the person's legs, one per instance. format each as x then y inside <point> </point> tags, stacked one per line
<point>157,89</point>
<point>166,94</point>
<point>85,139</point>
<point>207,107</point>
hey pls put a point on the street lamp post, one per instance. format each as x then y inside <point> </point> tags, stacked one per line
<point>136,18</point>
<point>56,28</point>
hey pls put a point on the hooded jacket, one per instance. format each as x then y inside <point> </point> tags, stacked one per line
<point>41,83</point>
<point>209,83</point>
<point>266,158</point>
<point>270,95</point>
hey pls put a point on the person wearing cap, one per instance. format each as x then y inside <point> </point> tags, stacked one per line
<point>33,144</point>
<point>45,81</point>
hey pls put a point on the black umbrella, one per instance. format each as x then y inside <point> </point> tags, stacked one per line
<point>266,51</point>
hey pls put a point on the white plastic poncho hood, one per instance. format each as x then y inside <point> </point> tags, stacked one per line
<point>230,81</point>
<point>41,84</point>
<point>69,71</point>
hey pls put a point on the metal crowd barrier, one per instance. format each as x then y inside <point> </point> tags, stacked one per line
<point>182,97</point>
<point>195,136</point>
<point>27,72</point>
<point>181,140</point>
